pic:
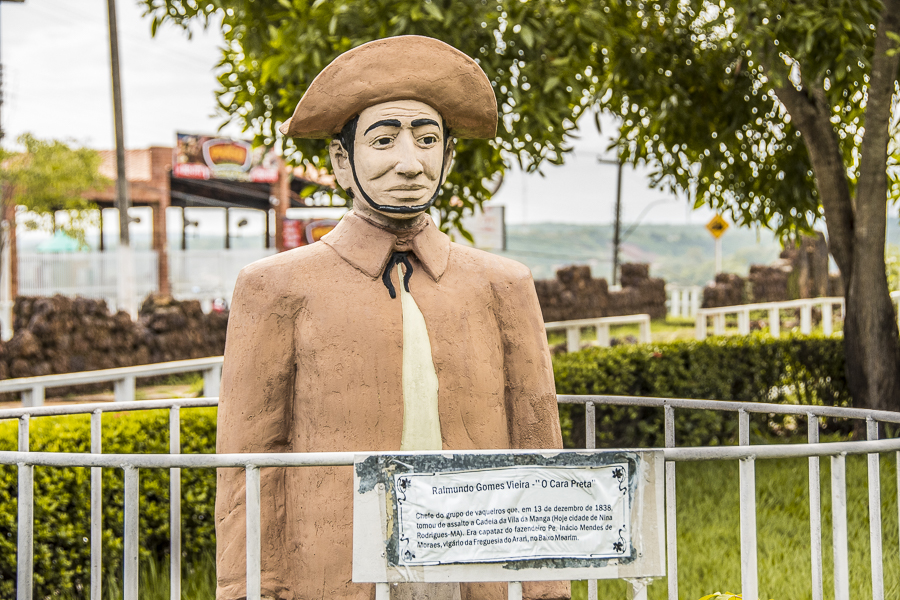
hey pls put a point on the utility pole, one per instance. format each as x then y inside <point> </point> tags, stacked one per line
<point>7,237</point>
<point>125,292</point>
<point>617,226</point>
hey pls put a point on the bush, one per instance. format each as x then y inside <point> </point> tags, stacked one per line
<point>62,499</point>
<point>754,368</point>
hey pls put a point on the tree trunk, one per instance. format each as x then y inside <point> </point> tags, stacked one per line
<point>856,226</point>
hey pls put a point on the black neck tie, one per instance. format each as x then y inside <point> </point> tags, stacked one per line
<point>396,259</point>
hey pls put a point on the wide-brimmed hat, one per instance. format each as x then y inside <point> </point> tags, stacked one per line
<point>408,67</point>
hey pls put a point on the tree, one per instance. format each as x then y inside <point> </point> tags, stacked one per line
<point>49,176</point>
<point>779,113</point>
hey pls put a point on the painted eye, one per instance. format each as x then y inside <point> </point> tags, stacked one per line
<point>384,141</point>
<point>429,140</point>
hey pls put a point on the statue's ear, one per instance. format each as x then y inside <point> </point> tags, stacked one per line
<point>449,153</point>
<point>340,163</point>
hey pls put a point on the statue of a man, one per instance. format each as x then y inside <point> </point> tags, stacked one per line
<point>387,336</point>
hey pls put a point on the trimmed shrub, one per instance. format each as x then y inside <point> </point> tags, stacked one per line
<point>62,499</point>
<point>754,368</point>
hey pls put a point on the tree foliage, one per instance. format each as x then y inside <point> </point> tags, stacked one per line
<point>538,56</point>
<point>50,176</point>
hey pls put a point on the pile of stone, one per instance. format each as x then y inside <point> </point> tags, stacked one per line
<point>726,290</point>
<point>64,335</point>
<point>770,283</point>
<point>575,294</point>
<point>640,293</point>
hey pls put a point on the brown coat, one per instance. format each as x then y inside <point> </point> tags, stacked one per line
<point>312,364</point>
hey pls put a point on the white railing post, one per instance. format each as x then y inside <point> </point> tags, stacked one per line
<point>254,535</point>
<point>175,506</point>
<point>124,389</point>
<point>514,590</point>
<point>675,302</point>
<point>806,318</point>
<point>749,577</point>
<point>573,339</point>
<point>875,514</point>
<point>602,334</point>
<point>25,540</point>
<point>34,396</point>
<point>96,508</point>
<point>744,322</point>
<point>774,321</point>
<point>839,527</point>
<point>130,553</point>
<point>212,379</point>
<point>719,323</point>
<point>671,514</point>
<point>644,330</point>
<point>700,326</point>
<point>827,319</point>
<point>815,511</point>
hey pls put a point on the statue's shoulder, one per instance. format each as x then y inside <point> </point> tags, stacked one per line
<point>491,266</point>
<point>286,268</point>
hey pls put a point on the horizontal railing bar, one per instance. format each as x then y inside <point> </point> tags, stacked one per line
<point>723,405</point>
<point>104,375</point>
<point>78,409</point>
<point>883,416</point>
<point>338,459</point>
<point>619,320</point>
<point>787,304</point>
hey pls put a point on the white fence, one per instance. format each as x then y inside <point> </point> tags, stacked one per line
<point>683,300</point>
<point>194,274</point>
<point>601,325</point>
<point>774,316</point>
<point>33,389</point>
<point>88,274</point>
<point>747,454</point>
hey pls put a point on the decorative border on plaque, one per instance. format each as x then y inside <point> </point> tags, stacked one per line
<point>492,508</point>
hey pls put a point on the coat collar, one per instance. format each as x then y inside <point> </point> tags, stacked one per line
<point>368,247</point>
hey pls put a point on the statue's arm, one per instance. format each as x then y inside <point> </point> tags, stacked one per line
<point>254,415</point>
<point>533,417</point>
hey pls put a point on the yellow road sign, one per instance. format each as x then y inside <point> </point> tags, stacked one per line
<point>717,226</point>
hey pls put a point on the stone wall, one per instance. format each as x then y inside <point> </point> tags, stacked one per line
<point>726,290</point>
<point>575,294</point>
<point>63,335</point>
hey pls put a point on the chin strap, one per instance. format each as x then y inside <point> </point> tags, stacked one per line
<point>397,258</point>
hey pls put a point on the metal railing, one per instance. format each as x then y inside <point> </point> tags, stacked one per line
<point>774,309</point>
<point>33,389</point>
<point>746,453</point>
<point>601,325</point>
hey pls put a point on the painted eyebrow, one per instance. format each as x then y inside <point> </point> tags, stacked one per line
<point>423,122</point>
<point>384,123</point>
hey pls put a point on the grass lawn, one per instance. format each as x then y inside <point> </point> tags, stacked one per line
<point>709,549</point>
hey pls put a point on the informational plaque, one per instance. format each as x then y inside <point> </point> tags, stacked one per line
<point>508,516</point>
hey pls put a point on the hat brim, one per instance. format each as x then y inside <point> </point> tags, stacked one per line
<point>406,67</point>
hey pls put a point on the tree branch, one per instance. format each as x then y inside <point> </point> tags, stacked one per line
<point>811,114</point>
<point>872,190</point>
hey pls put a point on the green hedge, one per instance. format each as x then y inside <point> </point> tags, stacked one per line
<point>755,368</point>
<point>62,499</point>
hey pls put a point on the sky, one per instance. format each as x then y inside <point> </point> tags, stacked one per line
<point>57,84</point>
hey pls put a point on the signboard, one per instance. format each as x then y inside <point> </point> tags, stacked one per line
<point>302,232</point>
<point>208,157</point>
<point>717,226</point>
<point>508,517</point>
<point>488,228</point>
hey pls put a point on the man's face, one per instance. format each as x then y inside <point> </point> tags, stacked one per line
<point>398,154</point>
